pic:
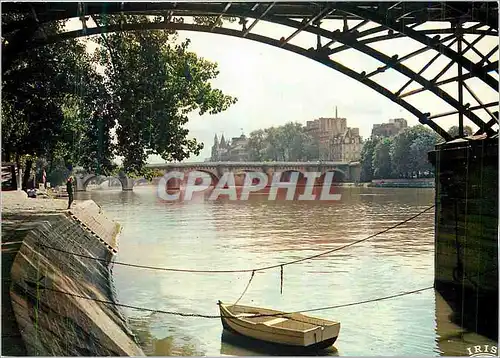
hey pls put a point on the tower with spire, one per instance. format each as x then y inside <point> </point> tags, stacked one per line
<point>223,143</point>
<point>215,149</point>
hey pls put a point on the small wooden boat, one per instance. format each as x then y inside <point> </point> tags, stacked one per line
<point>293,329</point>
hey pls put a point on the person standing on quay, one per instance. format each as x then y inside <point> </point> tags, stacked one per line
<point>69,190</point>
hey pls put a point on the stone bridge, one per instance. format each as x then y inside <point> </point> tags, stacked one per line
<point>345,172</point>
<point>83,180</point>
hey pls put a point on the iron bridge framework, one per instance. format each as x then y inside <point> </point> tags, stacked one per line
<point>453,55</point>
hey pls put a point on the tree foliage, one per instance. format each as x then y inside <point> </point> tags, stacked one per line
<point>154,84</point>
<point>367,154</point>
<point>453,131</point>
<point>289,142</point>
<point>257,145</point>
<point>213,20</point>
<point>46,99</point>
<point>382,159</point>
<point>56,104</point>
<point>409,152</point>
<point>401,156</point>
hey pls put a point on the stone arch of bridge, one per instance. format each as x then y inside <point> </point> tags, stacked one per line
<point>338,176</point>
<point>286,176</point>
<point>240,175</point>
<point>141,181</point>
<point>82,181</point>
<point>214,178</point>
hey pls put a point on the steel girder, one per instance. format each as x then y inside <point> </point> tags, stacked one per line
<point>399,19</point>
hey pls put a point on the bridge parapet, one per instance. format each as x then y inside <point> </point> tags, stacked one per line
<point>349,170</point>
<point>246,164</point>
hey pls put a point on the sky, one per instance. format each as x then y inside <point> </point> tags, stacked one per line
<point>275,86</point>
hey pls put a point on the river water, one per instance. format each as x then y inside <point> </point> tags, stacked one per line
<point>243,235</point>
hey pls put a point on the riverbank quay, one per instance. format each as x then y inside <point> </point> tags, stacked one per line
<point>402,183</point>
<point>42,314</point>
<point>392,183</point>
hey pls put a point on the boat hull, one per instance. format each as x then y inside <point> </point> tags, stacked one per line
<point>314,347</point>
<point>276,329</point>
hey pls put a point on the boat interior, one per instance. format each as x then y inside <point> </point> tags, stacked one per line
<point>293,321</point>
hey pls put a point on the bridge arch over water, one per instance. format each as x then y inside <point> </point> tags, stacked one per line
<point>442,30</point>
<point>83,180</point>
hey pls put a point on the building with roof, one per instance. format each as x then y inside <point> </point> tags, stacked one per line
<point>230,151</point>
<point>336,141</point>
<point>392,128</point>
<point>346,147</point>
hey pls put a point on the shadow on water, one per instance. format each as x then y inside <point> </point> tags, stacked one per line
<point>174,344</point>
<point>237,345</point>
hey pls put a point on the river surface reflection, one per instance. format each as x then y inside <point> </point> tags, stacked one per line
<point>255,233</point>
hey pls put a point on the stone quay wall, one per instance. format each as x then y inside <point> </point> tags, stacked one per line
<point>45,284</point>
<point>466,237</point>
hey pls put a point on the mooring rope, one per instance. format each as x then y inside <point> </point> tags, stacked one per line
<point>246,288</point>
<point>244,270</point>
<point>198,315</point>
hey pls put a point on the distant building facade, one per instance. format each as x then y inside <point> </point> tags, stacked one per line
<point>392,128</point>
<point>230,151</point>
<point>336,141</point>
<point>346,147</point>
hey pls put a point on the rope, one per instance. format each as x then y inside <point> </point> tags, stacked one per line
<point>244,270</point>
<point>183,314</point>
<point>246,288</point>
<point>281,281</point>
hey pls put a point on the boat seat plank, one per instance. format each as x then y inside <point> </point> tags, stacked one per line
<point>242,315</point>
<point>275,321</point>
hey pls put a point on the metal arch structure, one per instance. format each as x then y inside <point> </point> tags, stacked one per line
<point>377,22</point>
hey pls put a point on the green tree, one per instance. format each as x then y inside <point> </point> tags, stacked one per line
<point>419,149</point>
<point>56,106</point>
<point>154,84</point>
<point>367,154</point>
<point>410,148</point>
<point>289,142</point>
<point>273,150</point>
<point>453,131</point>
<point>311,147</point>
<point>293,142</point>
<point>256,146</point>
<point>213,20</point>
<point>401,166</point>
<point>35,88</point>
<point>382,159</point>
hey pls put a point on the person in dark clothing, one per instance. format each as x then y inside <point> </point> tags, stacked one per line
<point>69,190</point>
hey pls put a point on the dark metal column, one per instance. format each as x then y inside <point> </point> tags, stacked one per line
<point>460,81</point>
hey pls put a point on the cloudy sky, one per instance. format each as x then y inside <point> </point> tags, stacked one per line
<point>274,86</point>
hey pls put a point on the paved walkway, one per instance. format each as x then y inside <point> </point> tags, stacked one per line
<point>22,217</point>
<point>19,215</point>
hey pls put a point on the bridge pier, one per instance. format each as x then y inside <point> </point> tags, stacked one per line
<point>127,183</point>
<point>466,232</point>
<point>81,181</point>
<point>354,172</point>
